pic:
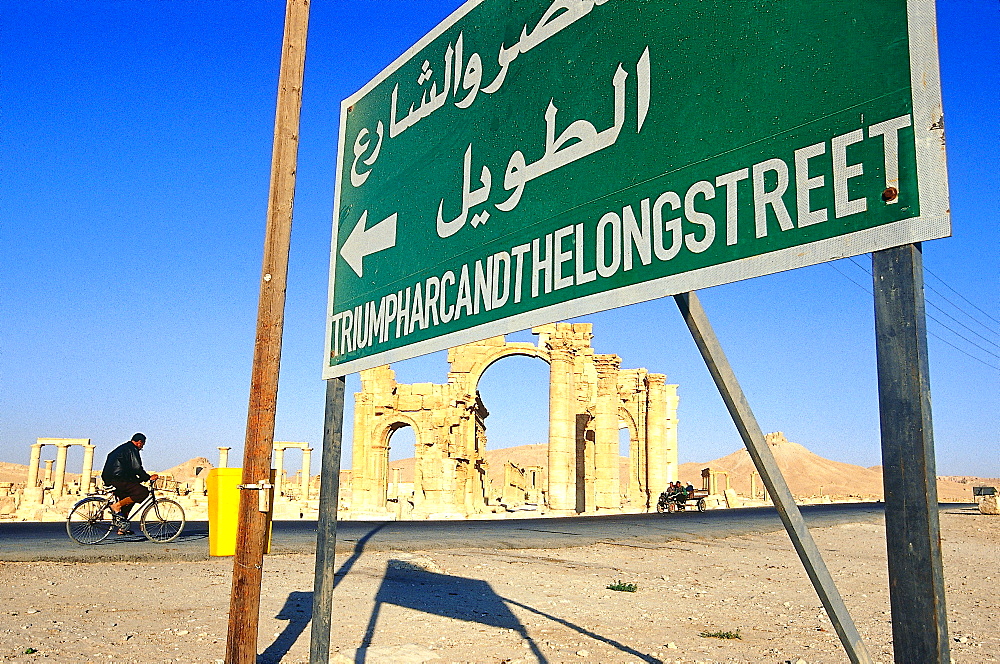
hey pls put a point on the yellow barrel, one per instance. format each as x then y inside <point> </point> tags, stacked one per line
<point>224,509</point>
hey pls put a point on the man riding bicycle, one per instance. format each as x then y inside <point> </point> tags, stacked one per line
<point>123,470</point>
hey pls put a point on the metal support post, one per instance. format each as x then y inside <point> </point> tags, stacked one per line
<point>912,528</point>
<point>326,528</point>
<point>771,477</point>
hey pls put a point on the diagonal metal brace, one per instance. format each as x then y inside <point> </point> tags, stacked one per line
<point>770,474</point>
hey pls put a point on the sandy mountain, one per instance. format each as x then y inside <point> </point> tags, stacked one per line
<point>807,473</point>
<point>13,472</point>
<point>18,473</point>
<point>190,470</point>
<point>521,455</point>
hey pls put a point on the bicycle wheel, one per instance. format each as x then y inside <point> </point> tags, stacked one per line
<point>162,521</point>
<point>89,521</point>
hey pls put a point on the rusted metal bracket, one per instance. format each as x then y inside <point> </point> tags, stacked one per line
<point>263,498</point>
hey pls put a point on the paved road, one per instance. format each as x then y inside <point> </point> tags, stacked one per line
<point>26,541</point>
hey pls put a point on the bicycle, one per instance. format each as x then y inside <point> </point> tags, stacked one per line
<point>90,521</point>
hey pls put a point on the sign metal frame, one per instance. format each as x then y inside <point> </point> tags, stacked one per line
<point>932,222</point>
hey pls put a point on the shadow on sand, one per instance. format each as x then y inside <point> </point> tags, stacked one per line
<point>298,606</point>
<point>408,585</point>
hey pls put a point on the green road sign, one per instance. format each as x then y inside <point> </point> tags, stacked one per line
<point>536,160</point>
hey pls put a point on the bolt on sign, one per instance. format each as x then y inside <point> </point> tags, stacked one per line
<point>536,160</point>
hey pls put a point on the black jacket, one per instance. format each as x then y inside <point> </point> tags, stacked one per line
<point>124,465</point>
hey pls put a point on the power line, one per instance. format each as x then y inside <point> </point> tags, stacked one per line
<point>943,340</point>
<point>985,350</point>
<point>970,317</point>
<point>962,296</point>
<point>930,332</point>
<point>933,304</point>
<point>849,278</point>
<point>946,299</point>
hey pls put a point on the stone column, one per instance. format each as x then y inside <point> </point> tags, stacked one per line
<point>36,457</point>
<point>656,449</point>
<point>562,430</point>
<point>279,469</point>
<point>306,471</point>
<point>86,479</point>
<point>606,432</point>
<point>33,492</point>
<point>396,493</point>
<point>48,472</point>
<point>380,475</point>
<point>670,433</point>
<point>224,457</point>
<point>428,478</point>
<point>636,469</point>
<point>643,497</point>
<point>361,498</point>
<point>586,464</point>
<point>59,488</point>
<point>396,474</point>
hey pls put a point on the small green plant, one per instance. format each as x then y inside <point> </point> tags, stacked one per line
<point>30,651</point>
<point>721,635</point>
<point>623,587</point>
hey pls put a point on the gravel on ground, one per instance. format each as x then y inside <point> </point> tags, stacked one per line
<point>508,606</point>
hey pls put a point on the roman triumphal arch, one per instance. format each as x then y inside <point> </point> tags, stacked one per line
<point>590,398</point>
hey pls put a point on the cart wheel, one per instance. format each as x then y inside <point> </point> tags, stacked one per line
<point>702,505</point>
<point>671,507</point>
<point>660,507</point>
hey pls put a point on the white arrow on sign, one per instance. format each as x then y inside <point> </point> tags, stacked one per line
<point>361,242</point>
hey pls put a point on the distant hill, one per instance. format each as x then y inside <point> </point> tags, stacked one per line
<point>806,473</point>
<point>809,474</point>
<point>18,473</point>
<point>190,470</point>
<point>521,455</point>
<point>13,472</point>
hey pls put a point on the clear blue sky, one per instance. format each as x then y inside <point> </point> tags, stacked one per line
<point>135,140</point>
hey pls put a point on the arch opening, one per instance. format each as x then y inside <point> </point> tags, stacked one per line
<point>401,467</point>
<point>514,389</point>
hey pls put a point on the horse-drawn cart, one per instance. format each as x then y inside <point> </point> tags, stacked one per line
<point>682,501</point>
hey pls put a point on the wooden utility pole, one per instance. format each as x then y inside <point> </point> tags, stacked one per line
<point>913,534</point>
<point>252,528</point>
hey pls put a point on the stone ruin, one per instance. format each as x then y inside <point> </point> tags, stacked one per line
<point>47,491</point>
<point>590,398</point>
<point>50,491</point>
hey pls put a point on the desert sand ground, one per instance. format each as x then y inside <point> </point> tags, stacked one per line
<point>509,606</point>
